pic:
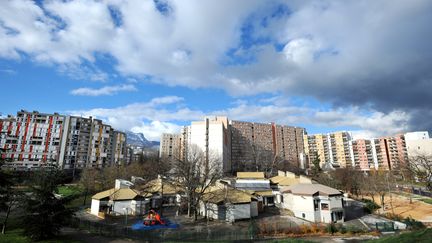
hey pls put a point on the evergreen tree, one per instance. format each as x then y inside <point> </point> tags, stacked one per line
<point>45,212</point>
<point>316,164</point>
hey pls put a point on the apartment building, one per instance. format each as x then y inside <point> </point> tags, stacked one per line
<point>212,136</point>
<point>31,139</point>
<point>240,146</point>
<point>391,152</point>
<point>171,146</point>
<point>34,140</point>
<point>259,142</point>
<point>418,144</point>
<point>363,154</point>
<point>331,148</point>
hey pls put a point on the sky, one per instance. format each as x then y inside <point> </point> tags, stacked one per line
<point>154,66</point>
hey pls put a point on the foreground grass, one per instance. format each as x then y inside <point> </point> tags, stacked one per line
<point>416,236</point>
<point>16,236</point>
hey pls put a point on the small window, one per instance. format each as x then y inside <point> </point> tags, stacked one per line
<point>303,215</point>
<point>324,206</point>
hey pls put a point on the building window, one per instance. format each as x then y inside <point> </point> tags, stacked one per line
<point>303,215</point>
<point>316,204</point>
<point>324,206</point>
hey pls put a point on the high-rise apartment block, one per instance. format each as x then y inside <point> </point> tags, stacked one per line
<point>239,145</point>
<point>33,139</point>
<point>252,142</point>
<point>340,150</point>
<point>333,148</point>
<point>170,146</point>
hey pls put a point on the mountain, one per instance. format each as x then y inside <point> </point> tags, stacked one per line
<point>138,139</point>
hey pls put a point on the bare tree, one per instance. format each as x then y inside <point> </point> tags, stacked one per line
<point>379,184</point>
<point>195,174</point>
<point>420,167</point>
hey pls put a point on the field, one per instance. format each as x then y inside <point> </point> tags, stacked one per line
<point>418,210</point>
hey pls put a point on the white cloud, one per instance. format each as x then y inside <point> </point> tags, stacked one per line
<point>158,115</point>
<point>153,117</point>
<point>348,53</point>
<point>154,129</point>
<point>106,90</point>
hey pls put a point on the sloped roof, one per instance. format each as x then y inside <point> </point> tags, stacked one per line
<point>155,186</point>
<point>311,189</point>
<point>117,194</point>
<point>265,193</point>
<point>230,195</point>
<point>284,181</point>
<point>250,175</point>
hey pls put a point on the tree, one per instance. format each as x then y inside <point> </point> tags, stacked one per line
<point>88,179</point>
<point>378,180</point>
<point>316,169</point>
<point>45,212</point>
<point>7,197</point>
<point>195,174</point>
<point>420,167</point>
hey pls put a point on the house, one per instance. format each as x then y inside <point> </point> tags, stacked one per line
<point>119,200</point>
<point>255,183</point>
<point>284,179</point>
<point>314,202</point>
<point>227,203</point>
<point>162,192</point>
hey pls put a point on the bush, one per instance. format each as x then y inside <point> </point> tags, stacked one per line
<point>413,224</point>
<point>331,228</point>
<point>370,206</point>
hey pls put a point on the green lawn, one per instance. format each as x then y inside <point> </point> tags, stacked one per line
<point>416,236</point>
<point>69,190</point>
<point>426,200</point>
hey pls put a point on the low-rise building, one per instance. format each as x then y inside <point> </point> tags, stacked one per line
<point>229,204</point>
<point>314,202</point>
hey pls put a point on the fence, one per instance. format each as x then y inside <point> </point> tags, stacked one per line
<point>413,190</point>
<point>157,235</point>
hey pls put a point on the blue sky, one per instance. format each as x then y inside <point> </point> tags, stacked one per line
<point>153,66</point>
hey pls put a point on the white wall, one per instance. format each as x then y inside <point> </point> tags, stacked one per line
<point>419,147</point>
<point>238,211</point>
<point>304,206</point>
<point>254,209</point>
<point>95,207</point>
<point>119,205</point>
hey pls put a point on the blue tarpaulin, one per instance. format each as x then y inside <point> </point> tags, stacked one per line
<point>139,225</point>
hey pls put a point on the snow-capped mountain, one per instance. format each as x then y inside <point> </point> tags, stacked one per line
<point>138,139</point>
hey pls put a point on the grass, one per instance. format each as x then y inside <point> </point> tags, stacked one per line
<point>16,236</point>
<point>426,200</point>
<point>69,190</point>
<point>415,236</point>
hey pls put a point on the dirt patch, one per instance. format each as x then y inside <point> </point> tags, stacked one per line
<point>418,210</point>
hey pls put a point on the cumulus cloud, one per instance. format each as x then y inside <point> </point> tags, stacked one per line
<point>374,55</point>
<point>106,90</point>
<point>152,117</point>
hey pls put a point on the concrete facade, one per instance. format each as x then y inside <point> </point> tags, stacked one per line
<point>418,144</point>
<point>34,140</point>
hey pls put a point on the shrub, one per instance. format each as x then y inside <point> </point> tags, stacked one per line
<point>331,228</point>
<point>370,206</point>
<point>413,224</point>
